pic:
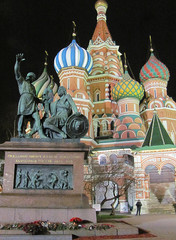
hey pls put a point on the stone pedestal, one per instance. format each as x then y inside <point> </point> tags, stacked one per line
<point>43,180</point>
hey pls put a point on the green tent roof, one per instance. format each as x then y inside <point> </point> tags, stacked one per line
<point>157,134</point>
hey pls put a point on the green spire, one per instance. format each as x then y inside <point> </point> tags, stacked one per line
<point>157,134</point>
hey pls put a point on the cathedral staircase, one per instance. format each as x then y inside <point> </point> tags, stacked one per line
<point>155,207</point>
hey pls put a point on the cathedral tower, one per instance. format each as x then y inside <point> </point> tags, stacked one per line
<point>129,125</point>
<point>73,65</point>
<point>154,76</point>
<point>106,72</point>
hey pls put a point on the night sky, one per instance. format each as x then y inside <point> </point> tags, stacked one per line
<point>31,27</point>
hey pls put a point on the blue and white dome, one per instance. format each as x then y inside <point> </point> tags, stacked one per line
<point>73,56</point>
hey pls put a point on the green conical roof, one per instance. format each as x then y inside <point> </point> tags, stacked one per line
<point>157,134</point>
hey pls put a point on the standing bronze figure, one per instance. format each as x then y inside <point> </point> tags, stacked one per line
<point>27,105</point>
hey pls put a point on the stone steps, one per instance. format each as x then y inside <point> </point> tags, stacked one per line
<point>155,207</point>
<point>162,210</point>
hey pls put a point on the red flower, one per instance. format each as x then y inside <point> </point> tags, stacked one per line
<point>76,220</point>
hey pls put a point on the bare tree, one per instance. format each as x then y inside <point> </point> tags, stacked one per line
<point>116,178</point>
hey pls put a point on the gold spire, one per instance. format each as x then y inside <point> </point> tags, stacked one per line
<point>74,29</point>
<point>101,33</point>
<point>151,47</point>
<point>52,82</point>
<point>46,58</point>
<point>101,3</point>
<point>101,8</point>
<point>125,59</point>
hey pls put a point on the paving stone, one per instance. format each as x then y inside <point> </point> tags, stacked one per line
<point>108,232</point>
<point>36,237</point>
<point>127,231</point>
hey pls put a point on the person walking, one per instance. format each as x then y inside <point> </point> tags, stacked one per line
<point>138,205</point>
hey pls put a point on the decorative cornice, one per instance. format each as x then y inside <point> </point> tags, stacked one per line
<point>102,45</point>
<point>74,71</point>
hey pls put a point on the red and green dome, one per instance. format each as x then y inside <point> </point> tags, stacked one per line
<point>127,87</point>
<point>154,69</point>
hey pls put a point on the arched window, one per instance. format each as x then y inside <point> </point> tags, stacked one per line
<point>126,107</point>
<point>78,83</point>
<point>112,125</point>
<point>97,95</point>
<point>113,159</point>
<point>102,159</point>
<point>155,95</point>
<point>96,129</point>
<point>68,83</point>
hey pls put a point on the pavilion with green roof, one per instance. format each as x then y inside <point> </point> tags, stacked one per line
<point>157,137</point>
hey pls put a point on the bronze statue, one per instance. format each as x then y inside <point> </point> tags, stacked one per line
<point>61,119</point>
<point>60,111</point>
<point>27,105</point>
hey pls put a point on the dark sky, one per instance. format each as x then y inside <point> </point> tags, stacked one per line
<point>31,27</point>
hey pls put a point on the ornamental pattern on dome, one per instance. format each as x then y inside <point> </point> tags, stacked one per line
<point>73,56</point>
<point>127,87</point>
<point>154,69</point>
<point>43,82</point>
<point>130,126</point>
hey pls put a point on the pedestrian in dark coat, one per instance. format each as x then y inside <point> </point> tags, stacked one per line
<point>138,205</point>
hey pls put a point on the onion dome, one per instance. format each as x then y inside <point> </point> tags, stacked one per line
<point>43,82</point>
<point>73,56</point>
<point>154,69</point>
<point>127,87</point>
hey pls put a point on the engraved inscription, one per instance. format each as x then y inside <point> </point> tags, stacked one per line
<point>42,158</point>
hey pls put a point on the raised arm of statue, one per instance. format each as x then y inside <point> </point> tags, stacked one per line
<point>19,58</point>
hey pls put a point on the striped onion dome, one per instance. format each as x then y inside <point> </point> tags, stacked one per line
<point>154,69</point>
<point>127,87</point>
<point>43,82</point>
<point>73,56</point>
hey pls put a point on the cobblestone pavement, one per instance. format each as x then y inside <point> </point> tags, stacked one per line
<point>163,226</point>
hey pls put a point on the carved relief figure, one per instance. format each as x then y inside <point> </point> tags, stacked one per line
<point>18,178</point>
<point>36,180</point>
<point>52,181</point>
<point>64,181</point>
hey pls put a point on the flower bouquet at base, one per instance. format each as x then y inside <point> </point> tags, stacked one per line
<point>35,228</point>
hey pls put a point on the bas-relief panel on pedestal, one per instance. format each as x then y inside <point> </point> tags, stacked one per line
<point>29,176</point>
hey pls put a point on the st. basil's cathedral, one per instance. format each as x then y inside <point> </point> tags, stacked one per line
<point>128,120</point>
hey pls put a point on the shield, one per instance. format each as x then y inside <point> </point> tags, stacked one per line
<point>77,125</point>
